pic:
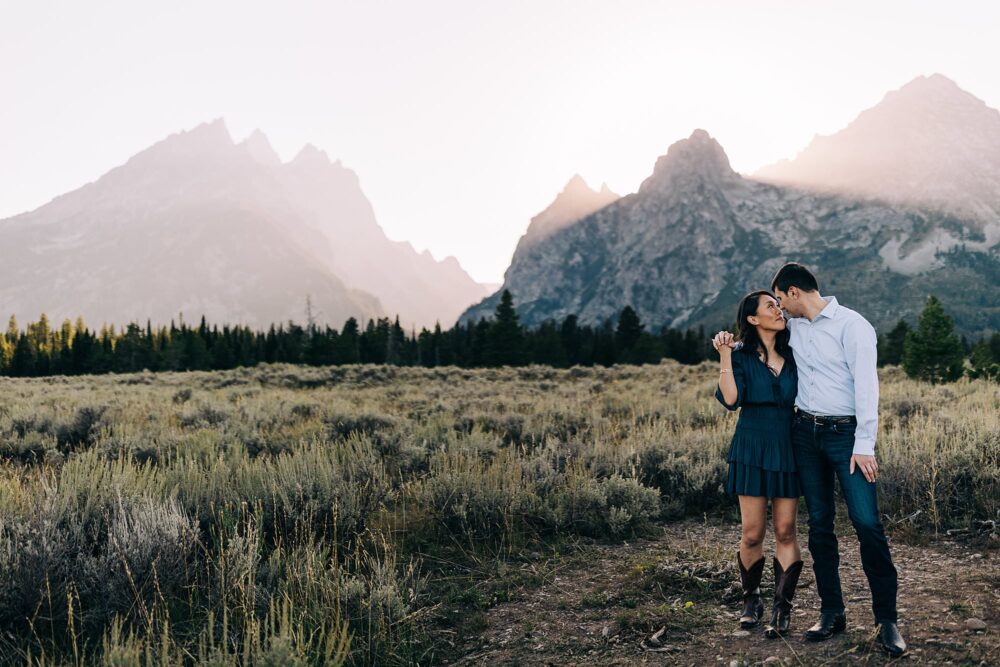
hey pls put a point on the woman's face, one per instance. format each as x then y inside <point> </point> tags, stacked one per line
<point>769,316</point>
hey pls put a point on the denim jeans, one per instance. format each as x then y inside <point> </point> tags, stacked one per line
<point>822,453</point>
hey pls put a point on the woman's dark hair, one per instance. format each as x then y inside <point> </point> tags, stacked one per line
<point>794,274</point>
<point>747,333</point>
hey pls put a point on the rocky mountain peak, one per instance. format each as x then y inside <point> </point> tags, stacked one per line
<point>209,140</point>
<point>201,225</point>
<point>934,85</point>
<point>575,201</point>
<point>697,159</point>
<point>930,99</point>
<point>260,149</point>
<point>206,136</point>
<point>928,143</point>
<point>576,185</point>
<point>311,156</point>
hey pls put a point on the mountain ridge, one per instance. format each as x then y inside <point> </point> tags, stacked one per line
<point>928,144</point>
<point>696,236</point>
<point>126,222</point>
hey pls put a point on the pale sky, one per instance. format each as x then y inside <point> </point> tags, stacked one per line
<point>462,118</point>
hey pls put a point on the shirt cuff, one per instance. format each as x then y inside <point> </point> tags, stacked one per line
<point>864,446</point>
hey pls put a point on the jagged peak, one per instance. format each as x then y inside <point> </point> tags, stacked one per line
<point>577,189</point>
<point>698,157</point>
<point>935,82</point>
<point>312,157</point>
<point>310,154</point>
<point>576,183</point>
<point>204,139</point>
<point>930,93</point>
<point>210,133</point>
<point>213,128</point>
<point>260,149</point>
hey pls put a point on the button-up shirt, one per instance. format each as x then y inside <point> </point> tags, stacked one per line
<point>836,358</point>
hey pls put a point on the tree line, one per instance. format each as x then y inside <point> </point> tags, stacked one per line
<point>931,351</point>
<point>72,348</point>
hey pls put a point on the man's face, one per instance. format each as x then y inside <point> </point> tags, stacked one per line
<point>789,301</point>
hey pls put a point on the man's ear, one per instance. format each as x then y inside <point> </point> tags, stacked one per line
<point>792,292</point>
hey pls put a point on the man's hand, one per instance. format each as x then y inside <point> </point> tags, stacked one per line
<point>867,464</point>
<point>723,342</point>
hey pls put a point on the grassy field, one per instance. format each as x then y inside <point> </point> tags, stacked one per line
<point>291,515</point>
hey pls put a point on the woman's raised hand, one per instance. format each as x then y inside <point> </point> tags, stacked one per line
<point>723,339</point>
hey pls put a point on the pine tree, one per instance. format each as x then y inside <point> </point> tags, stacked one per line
<point>394,344</point>
<point>890,347</point>
<point>985,358</point>
<point>506,339</point>
<point>932,351</point>
<point>604,344</point>
<point>23,362</point>
<point>348,350</point>
<point>6,354</point>
<point>629,329</point>
<point>546,345</point>
<point>569,333</point>
<point>13,332</point>
<point>479,344</point>
<point>195,351</point>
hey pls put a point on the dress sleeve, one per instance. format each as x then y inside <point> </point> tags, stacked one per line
<point>739,376</point>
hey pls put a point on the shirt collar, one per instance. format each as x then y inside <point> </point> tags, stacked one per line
<point>831,308</point>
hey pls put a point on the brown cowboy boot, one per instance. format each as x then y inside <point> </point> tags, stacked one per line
<point>753,607</point>
<point>785,582</point>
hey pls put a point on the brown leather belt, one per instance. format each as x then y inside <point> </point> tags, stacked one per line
<point>824,420</point>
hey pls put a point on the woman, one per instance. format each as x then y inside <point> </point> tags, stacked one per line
<point>758,375</point>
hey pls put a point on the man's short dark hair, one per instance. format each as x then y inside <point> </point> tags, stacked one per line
<point>794,274</point>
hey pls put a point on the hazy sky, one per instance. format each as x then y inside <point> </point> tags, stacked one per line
<point>463,118</point>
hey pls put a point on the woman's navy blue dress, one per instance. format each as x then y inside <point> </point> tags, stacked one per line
<point>761,462</point>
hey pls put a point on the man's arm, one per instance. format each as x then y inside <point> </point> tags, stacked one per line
<point>860,347</point>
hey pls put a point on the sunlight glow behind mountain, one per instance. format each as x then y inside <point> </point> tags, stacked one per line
<point>463,119</point>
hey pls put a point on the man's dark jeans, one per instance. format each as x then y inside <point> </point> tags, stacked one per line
<point>821,453</point>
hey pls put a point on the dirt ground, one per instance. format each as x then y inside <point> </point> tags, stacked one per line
<point>604,605</point>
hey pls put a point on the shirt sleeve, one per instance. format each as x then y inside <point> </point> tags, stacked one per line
<point>739,377</point>
<point>860,346</point>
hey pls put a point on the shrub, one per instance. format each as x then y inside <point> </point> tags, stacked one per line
<point>611,507</point>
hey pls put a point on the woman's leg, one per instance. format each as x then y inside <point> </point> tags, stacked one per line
<point>753,513</point>
<point>786,542</point>
<point>751,558</point>
<point>787,565</point>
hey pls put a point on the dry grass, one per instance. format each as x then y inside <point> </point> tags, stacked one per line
<point>292,515</point>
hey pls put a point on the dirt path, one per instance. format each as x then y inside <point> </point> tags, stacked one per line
<point>601,607</point>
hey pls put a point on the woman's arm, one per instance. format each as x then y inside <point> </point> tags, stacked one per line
<point>728,393</point>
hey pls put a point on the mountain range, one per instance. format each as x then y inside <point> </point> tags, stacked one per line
<point>198,225</point>
<point>902,203</point>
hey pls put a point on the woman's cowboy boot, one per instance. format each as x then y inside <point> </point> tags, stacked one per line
<point>753,608</point>
<point>785,582</point>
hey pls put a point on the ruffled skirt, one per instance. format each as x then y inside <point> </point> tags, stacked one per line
<point>761,460</point>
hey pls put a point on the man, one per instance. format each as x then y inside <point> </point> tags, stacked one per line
<point>833,435</point>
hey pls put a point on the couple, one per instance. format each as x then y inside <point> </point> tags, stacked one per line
<point>808,392</point>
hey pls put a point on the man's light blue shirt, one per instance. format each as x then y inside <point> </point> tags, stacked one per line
<point>836,356</point>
